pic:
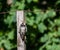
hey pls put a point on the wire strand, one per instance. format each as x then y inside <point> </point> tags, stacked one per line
<point>27,11</point>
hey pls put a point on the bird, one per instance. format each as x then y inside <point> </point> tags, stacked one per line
<point>22,31</point>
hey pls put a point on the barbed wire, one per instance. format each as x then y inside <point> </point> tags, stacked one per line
<point>27,11</point>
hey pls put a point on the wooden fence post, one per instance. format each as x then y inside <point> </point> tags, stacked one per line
<point>20,18</point>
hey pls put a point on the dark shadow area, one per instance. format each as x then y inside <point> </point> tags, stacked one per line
<point>33,44</point>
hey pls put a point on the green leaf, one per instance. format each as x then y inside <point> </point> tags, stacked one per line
<point>30,21</point>
<point>1,42</point>
<point>58,47</point>
<point>11,35</point>
<point>56,40</point>
<point>44,38</point>
<point>48,47</point>
<point>1,33</point>
<point>33,35</point>
<point>29,13</point>
<point>58,33</point>
<point>9,20</point>
<point>41,27</point>
<point>57,22</point>
<point>51,47</point>
<point>17,4</point>
<point>51,13</point>
<point>34,26</point>
<point>29,1</point>
<point>35,0</point>
<point>21,7</point>
<point>51,25</point>
<point>8,45</point>
<point>44,16</point>
<point>58,2</point>
<point>39,17</point>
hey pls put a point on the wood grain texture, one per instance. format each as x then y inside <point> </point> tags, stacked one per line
<point>20,18</point>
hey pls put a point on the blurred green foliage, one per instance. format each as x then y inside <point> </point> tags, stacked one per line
<point>8,35</point>
<point>43,26</point>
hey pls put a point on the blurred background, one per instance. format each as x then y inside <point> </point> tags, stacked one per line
<point>42,19</point>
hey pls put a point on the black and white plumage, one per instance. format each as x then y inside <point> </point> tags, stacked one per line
<point>22,31</point>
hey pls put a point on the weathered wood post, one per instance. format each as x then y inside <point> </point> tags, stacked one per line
<point>20,18</point>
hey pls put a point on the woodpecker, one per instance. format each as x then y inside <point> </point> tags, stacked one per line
<point>22,31</point>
